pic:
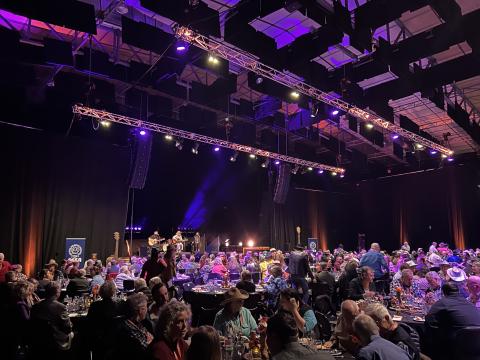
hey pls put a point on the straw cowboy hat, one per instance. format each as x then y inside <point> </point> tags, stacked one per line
<point>456,274</point>
<point>234,294</point>
<point>51,262</point>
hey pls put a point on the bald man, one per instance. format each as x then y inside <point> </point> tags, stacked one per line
<point>375,260</point>
<point>344,327</point>
<point>473,286</point>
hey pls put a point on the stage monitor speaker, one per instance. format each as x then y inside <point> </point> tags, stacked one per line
<point>282,184</point>
<point>139,170</point>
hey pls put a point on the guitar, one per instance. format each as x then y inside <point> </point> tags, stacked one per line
<point>155,239</point>
<point>116,237</point>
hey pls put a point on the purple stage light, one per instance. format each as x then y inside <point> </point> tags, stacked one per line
<point>181,48</point>
<point>320,171</point>
<point>335,112</point>
<point>143,132</point>
<point>395,136</point>
<point>450,159</point>
<point>433,152</point>
<point>216,148</point>
<point>277,162</point>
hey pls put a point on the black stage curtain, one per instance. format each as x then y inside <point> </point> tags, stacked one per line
<point>326,216</point>
<point>56,187</point>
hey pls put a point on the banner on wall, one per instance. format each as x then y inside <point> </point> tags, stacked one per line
<point>75,249</point>
<point>312,244</point>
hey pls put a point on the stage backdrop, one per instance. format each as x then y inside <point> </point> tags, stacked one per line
<point>55,187</point>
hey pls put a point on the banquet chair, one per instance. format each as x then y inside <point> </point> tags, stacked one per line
<point>465,348</point>
<point>324,326</point>
<point>206,316</point>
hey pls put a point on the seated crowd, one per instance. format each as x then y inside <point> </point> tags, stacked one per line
<point>136,308</point>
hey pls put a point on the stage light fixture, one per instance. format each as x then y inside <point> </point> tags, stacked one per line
<point>450,159</point>
<point>433,152</point>
<point>265,163</point>
<point>168,137</point>
<point>277,162</point>
<point>179,144</point>
<point>105,123</point>
<point>314,110</point>
<point>122,8</point>
<point>310,168</point>
<point>334,173</point>
<point>320,171</point>
<point>335,112</point>
<point>259,80</point>
<point>233,158</point>
<point>444,156</point>
<point>143,132</point>
<point>369,126</point>
<point>181,46</point>
<point>213,60</point>
<point>419,146</point>
<point>195,148</point>
<point>240,243</point>
<point>395,136</point>
<point>216,149</point>
<point>295,169</point>
<point>294,95</point>
<point>250,243</point>
<point>342,176</point>
<point>252,156</point>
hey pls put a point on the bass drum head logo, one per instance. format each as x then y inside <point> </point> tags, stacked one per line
<point>75,251</point>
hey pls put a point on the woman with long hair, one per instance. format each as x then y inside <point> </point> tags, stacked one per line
<point>205,345</point>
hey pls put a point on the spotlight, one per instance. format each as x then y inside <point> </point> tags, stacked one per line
<point>216,149</point>
<point>179,144</point>
<point>143,132</point>
<point>369,126</point>
<point>277,162</point>
<point>335,112</point>
<point>105,123</point>
<point>252,156</point>
<point>320,171</point>
<point>250,243</point>
<point>122,8</point>
<point>233,158</point>
<point>334,173</point>
<point>342,176</point>
<point>181,46</point>
<point>450,152</point>
<point>259,80</point>
<point>395,136</point>
<point>450,159</point>
<point>213,60</point>
<point>295,169</point>
<point>294,94</point>
<point>195,148</point>
<point>419,146</point>
<point>240,243</point>
<point>310,168</point>
<point>433,152</point>
<point>168,137</point>
<point>265,163</point>
<point>444,156</point>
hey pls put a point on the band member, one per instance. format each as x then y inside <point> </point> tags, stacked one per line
<point>155,241</point>
<point>196,242</point>
<point>177,237</point>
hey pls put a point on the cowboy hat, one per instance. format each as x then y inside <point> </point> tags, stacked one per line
<point>411,263</point>
<point>51,262</point>
<point>234,294</point>
<point>456,274</point>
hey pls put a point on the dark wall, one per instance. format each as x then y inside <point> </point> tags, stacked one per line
<point>55,187</point>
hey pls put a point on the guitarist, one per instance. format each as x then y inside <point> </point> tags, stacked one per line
<point>154,241</point>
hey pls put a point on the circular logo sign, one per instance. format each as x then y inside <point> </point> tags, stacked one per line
<point>313,246</point>
<point>75,250</point>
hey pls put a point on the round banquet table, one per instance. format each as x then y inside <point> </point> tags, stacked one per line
<point>418,326</point>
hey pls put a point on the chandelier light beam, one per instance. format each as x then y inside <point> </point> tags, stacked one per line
<point>145,125</point>
<point>248,62</point>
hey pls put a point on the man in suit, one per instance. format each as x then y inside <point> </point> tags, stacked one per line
<point>52,315</point>
<point>298,268</point>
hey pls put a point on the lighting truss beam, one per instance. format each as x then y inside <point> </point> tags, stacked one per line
<point>248,62</point>
<point>120,119</point>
